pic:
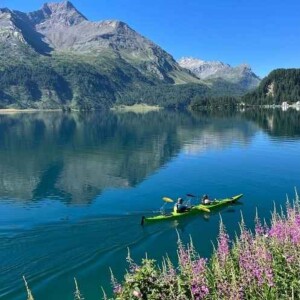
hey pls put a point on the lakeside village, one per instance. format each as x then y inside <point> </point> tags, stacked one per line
<point>285,105</point>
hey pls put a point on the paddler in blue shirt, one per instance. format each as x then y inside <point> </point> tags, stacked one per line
<point>179,207</point>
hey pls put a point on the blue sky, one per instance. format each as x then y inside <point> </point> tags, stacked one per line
<point>262,33</point>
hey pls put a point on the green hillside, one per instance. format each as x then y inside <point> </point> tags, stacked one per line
<point>93,82</point>
<point>279,86</point>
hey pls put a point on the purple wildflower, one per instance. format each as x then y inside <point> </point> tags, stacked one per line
<point>223,246</point>
<point>184,256</point>
<point>255,263</point>
<point>287,231</point>
<point>297,219</point>
<point>259,229</point>
<point>199,285</point>
<point>117,289</point>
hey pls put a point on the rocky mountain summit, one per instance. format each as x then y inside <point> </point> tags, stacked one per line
<point>56,14</point>
<point>60,27</point>
<point>203,69</point>
<point>215,70</point>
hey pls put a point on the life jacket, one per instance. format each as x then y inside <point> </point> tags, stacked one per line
<point>175,209</point>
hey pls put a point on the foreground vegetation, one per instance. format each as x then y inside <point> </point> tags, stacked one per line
<point>264,264</point>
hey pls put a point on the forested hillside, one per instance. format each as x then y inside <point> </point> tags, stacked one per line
<point>279,86</point>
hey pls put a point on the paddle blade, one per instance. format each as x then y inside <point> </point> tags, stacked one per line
<point>167,199</point>
<point>191,195</point>
<point>205,209</point>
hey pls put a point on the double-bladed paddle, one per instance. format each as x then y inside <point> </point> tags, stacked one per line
<point>191,195</point>
<point>168,200</point>
<point>202,207</point>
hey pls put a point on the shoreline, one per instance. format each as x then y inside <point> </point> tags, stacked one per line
<point>7,111</point>
<point>136,108</point>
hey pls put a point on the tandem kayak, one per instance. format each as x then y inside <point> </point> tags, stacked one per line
<point>193,210</point>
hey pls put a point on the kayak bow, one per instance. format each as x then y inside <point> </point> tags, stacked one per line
<point>193,210</point>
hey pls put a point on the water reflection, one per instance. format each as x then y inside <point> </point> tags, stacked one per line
<point>276,122</point>
<point>74,157</point>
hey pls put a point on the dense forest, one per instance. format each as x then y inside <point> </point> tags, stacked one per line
<point>194,96</point>
<point>213,103</point>
<point>88,83</point>
<point>75,82</point>
<point>279,86</point>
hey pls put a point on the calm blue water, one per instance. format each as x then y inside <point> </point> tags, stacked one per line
<point>73,188</point>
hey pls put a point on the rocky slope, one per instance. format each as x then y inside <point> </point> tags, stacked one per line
<point>56,58</point>
<point>59,27</point>
<point>241,75</point>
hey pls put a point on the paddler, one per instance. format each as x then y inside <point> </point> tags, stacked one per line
<point>205,200</point>
<point>179,207</point>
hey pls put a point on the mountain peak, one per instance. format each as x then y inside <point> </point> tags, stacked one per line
<point>245,67</point>
<point>54,6</point>
<point>188,62</point>
<point>219,70</point>
<point>201,68</point>
<point>5,10</point>
<point>63,13</point>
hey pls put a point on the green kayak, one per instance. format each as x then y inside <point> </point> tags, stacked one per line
<point>193,210</point>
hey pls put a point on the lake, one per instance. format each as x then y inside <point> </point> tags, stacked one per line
<point>74,186</point>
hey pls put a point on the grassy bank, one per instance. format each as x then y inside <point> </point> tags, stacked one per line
<point>259,264</point>
<point>136,108</point>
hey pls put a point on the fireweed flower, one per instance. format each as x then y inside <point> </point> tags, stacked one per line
<point>223,245</point>
<point>255,262</point>
<point>199,284</point>
<point>260,230</point>
<point>117,288</point>
<point>137,294</point>
<point>286,231</point>
<point>184,256</point>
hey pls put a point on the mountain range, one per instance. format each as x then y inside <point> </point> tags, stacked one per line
<point>241,75</point>
<point>55,57</point>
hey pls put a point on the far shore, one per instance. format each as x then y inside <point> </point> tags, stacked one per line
<point>136,108</point>
<point>4,111</point>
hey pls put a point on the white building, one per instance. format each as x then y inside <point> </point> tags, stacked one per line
<point>284,105</point>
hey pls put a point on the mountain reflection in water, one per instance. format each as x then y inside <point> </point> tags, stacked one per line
<point>74,157</point>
